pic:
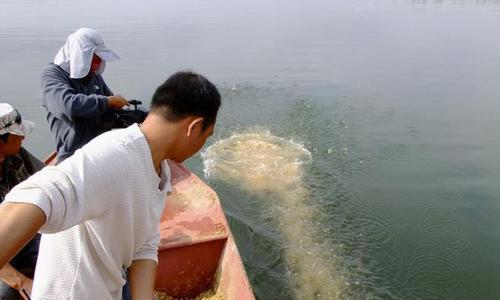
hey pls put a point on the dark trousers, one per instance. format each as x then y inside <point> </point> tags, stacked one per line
<point>8,293</point>
<point>126,292</point>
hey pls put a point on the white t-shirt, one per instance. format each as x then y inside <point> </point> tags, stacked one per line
<point>103,206</point>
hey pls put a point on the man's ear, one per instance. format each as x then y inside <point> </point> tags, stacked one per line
<point>193,124</point>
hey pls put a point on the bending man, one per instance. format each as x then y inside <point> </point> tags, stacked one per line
<point>74,93</point>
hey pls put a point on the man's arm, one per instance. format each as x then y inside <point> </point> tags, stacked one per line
<point>16,279</point>
<point>19,222</point>
<point>63,101</point>
<point>141,278</point>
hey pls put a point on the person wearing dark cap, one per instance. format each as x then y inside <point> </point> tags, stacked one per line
<point>16,165</point>
<point>74,92</point>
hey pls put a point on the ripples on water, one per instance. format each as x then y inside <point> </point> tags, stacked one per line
<point>291,188</point>
<point>302,233</point>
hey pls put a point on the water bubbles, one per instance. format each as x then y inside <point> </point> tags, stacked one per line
<point>272,167</point>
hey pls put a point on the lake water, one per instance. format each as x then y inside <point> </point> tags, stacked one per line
<point>355,153</point>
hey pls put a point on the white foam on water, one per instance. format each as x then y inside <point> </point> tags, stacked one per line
<point>263,164</point>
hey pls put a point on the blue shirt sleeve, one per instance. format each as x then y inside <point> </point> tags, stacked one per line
<point>63,101</point>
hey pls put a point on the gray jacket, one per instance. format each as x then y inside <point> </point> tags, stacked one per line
<point>75,108</point>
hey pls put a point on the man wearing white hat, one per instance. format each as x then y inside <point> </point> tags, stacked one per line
<point>16,165</point>
<point>74,93</point>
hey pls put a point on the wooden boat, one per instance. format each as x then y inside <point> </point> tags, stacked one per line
<point>197,252</point>
<point>198,257</point>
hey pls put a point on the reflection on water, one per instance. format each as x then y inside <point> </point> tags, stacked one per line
<point>272,168</point>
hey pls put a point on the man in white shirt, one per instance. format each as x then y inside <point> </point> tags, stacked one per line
<point>99,209</point>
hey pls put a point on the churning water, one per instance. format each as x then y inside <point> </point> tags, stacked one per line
<point>272,168</point>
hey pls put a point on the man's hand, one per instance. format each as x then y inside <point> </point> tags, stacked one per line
<point>16,280</point>
<point>117,101</point>
<point>26,286</point>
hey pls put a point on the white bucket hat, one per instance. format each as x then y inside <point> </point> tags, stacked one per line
<point>75,56</point>
<point>11,122</point>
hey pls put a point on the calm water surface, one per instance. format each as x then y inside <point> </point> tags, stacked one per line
<point>375,124</point>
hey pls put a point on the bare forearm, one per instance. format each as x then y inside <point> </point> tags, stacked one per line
<point>19,222</point>
<point>141,278</point>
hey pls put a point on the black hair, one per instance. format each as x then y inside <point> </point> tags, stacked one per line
<point>4,137</point>
<point>187,94</point>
